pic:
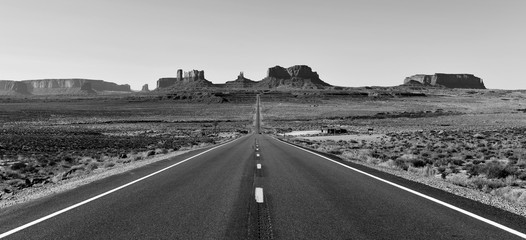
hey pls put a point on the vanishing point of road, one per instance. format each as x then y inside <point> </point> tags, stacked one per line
<point>256,187</point>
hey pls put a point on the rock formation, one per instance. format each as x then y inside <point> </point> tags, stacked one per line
<point>447,80</point>
<point>191,79</point>
<point>87,88</point>
<point>298,76</point>
<point>295,77</point>
<point>145,88</point>
<point>240,82</point>
<point>12,87</point>
<point>60,86</point>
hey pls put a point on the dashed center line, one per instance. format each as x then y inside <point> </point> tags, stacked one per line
<point>259,195</point>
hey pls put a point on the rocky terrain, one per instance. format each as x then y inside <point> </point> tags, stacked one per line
<point>468,142</point>
<point>75,86</point>
<point>45,141</point>
<point>446,80</point>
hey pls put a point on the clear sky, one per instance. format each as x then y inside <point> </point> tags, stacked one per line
<point>348,42</point>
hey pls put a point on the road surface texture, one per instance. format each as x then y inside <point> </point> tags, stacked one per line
<point>211,196</point>
<point>256,187</point>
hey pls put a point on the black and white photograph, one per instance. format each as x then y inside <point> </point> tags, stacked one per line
<point>290,119</point>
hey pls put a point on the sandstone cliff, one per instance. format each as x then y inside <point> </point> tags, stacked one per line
<point>145,88</point>
<point>12,87</point>
<point>191,79</point>
<point>447,80</point>
<point>60,86</point>
<point>298,76</point>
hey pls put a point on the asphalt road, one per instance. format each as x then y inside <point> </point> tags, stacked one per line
<point>212,197</point>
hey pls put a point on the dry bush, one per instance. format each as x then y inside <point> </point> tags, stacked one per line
<point>495,169</point>
<point>390,163</point>
<point>517,195</point>
<point>427,171</point>
<point>109,164</point>
<point>92,166</point>
<point>485,184</point>
<point>361,154</point>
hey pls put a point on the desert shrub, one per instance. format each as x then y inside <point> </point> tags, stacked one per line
<point>18,166</point>
<point>440,162</point>
<point>478,161</point>
<point>389,163</point>
<point>13,174</point>
<point>425,171</point>
<point>418,163</point>
<point>485,184</point>
<point>408,157</point>
<point>109,164</point>
<point>30,168</point>
<point>517,195</point>
<point>92,166</point>
<point>495,169</point>
<point>522,176</point>
<point>17,183</point>
<point>511,180</point>
<point>458,162</point>
<point>459,180</point>
<point>42,161</point>
<point>68,159</point>
<point>399,163</point>
<point>373,160</point>
<point>473,170</point>
<point>335,151</point>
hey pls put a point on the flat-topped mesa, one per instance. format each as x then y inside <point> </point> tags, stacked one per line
<point>298,76</point>
<point>8,87</point>
<point>447,80</point>
<point>240,82</point>
<point>278,72</point>
<point>302,71</point>
<point>190,79</point>
<point>73,83</point>
<point>60,86</point>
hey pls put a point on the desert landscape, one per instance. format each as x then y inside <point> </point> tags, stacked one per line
<point>262,120</point>
<point>423,129</point>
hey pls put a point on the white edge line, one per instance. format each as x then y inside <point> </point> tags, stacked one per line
<point>507,229</point>
<point>105,193</point>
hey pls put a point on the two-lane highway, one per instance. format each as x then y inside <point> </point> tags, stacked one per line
<point>210,197</point>
<point>211,194</point>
